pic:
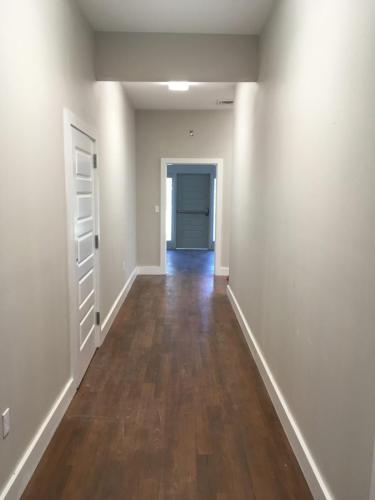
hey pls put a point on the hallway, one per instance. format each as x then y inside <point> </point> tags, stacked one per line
<point>241,365</point>
<point>172,407</point>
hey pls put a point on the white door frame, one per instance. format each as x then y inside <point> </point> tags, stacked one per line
<point>71,120</point>
<point>219,163</point>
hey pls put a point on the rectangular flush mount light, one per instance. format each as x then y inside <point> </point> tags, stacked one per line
<point>178,86</point>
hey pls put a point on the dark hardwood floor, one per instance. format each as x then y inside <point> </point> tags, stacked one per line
<point>171,407</point>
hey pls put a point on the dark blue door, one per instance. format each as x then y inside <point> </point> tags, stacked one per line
<point>193,211</point>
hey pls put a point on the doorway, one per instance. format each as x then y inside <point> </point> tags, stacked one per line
<point>191,214</point>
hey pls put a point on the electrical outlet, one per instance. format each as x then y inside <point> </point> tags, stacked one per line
<point>5,418</point>
<point>157,209</point>
<point>123,266</point>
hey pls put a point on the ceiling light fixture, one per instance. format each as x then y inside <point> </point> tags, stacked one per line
<point>178,86</point>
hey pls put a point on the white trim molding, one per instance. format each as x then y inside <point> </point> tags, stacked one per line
<point>151,270</point>
<point>120,299</point>
<point>219,163</point>
<point>222,271</point>
<point>314,477</point>
<point>26,466</point>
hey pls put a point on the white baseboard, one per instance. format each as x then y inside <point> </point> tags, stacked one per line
<point>152,270</point>
<point>21,475</point>
<point>313,476</point>
<point>222,271</point>
<point>107,323</point>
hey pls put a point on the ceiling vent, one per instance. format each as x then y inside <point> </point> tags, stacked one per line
<point>224,102</point>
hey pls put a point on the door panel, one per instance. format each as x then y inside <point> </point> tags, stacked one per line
<point>87,304</point>
<point>84,205</point>
<point>85,267</point>
<point>85,247</point>
<point>87,326</point>
<point>84,185</point>
<point>193,209</point>
<point>84,228</point>
<point>86,286</point>
<point>83,162</point>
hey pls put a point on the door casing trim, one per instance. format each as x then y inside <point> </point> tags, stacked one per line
<point>70,120</point>
<point>219,163</point>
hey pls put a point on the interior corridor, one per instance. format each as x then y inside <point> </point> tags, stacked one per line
<point>187,275</point>
<point>172,405</point>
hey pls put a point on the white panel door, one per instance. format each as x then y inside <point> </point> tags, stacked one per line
<point>84,204</point>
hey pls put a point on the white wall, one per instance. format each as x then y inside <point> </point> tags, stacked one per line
<point>46,60</point>
<point>166,134</point>
<point>303,240</point>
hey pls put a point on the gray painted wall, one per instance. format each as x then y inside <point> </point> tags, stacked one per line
<point>116,157</point>
<point>46,55</point>
<point>303,240</point>
<point>158,57</point>
<point>43,69</point>
<point>166,134</point>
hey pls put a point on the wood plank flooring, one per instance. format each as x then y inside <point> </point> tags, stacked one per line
<point>190,261</point>
<point>171,407</point>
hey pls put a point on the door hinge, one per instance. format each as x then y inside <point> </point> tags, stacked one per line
<point>95,160</point>
<point>96,241</point>
<point>97,318</point>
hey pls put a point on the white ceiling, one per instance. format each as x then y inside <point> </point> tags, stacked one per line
<point>146,95</point>
<point>177,16</point>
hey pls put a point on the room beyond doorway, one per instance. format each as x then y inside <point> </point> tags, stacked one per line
<point>190,218</point>
<point>191,209</point>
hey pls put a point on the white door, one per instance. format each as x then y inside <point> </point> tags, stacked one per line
<point>85,225</point>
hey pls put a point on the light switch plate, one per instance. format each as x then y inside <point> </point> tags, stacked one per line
<point>157,209</point>
<point>5,420</point>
